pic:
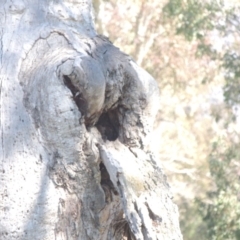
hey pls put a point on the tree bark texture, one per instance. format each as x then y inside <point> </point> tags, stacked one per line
<point>76,116</point>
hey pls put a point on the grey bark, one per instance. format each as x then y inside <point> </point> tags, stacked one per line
<point>76,121</point>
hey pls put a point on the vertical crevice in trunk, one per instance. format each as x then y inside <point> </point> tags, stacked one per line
<point>77,95</point>
<point>107,184</point>
<point>122,230</point>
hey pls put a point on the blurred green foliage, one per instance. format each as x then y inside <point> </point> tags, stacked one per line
<point>194,17</point>
<point>220,211</point>
<point>231,65</point>
<point>196,20</point>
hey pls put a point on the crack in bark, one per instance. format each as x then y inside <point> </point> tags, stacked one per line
<point>66,38</point>
<point>107,184</point>
<point>48,36</point>
<point>77,96</point>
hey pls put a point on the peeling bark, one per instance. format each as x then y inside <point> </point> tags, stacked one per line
<point>76,121</point>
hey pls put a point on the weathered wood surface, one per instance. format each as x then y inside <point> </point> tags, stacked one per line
<point>76,116</point>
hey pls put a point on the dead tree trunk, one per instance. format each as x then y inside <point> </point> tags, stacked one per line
<point>76,116</point>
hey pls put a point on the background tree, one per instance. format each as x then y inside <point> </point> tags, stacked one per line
<point>76,119</point>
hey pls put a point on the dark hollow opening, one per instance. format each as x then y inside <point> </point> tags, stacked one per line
<point>108,125</point>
